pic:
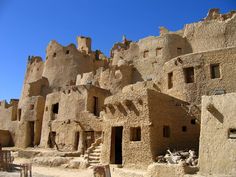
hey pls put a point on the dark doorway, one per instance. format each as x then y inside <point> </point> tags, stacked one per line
<point>89,139</point>
<point>55,109</point>
<point>52,139</point>
<point>116,145</point>
<point>31,133</point>
<point>76,144</point>
<point>95,106</point>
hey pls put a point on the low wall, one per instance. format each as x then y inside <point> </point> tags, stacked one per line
<point>166,170</point>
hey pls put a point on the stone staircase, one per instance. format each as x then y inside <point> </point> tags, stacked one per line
<point>94,153</point>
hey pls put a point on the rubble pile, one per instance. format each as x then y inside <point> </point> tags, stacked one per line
<point>179,157</point>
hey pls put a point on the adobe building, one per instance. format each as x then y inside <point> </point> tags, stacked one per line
<point>142,122</point>
<point>132,106</point>
<point>71,117</point>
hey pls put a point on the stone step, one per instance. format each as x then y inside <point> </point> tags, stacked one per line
<point>94,162</point>
<point>97,150</point>
<point>100,146</point>
<point>94,158</point>
<point>94,154</point>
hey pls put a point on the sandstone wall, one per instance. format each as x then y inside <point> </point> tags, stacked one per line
<point>168,111</point>
<point>33,73</point>
<point>203,83</point>
<point>217,140</point>
<point>113,78</point>
<point>8,119</point>
<point>149,54</point>
<point>214,32</point>
<point>63,64</point>
<point>127,111</point>
<point>31,112</point>
<point>75,114</point>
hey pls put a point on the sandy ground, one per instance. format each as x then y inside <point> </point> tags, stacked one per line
<point>55,172</point>
<point>40,171</point>
<point>52,172</point>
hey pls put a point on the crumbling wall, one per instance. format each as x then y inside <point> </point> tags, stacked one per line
<point>75,114</point>
<point>84,44</point>
<point>218,135</point>
<point>30,122</point>
<point>33,73</point>
<point>148,55</point>
<point>8,119</point>
<point>63,64</point>
<point>214,32</point>
<point>113,78</point>
<point>39,87</point>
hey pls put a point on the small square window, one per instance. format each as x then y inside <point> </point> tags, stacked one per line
<point>67,52</point>
<point>193,121</point>
<point>135,134</point>
<point>31,107</point>
<point>232,133</point>
<point>179,51</point>
<point>170,80</point>
<point>145,53</point>
<point>54,54</point>
<point>166,131</point>
<point>184,129</point>
<point>215,71</point>
<point>189,75</point>
<point>158,51</point>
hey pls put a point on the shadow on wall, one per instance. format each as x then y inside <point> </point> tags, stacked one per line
<point>130,105</point>
<point>212,109</point>
<point>122,109</point>
<point>137,76</point>
<point>39,87</point>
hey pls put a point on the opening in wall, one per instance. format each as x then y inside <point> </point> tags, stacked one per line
<point>95,106</point>
<point>135,134</point>
<point>184,129</point>
<point>179,51</point>
<point>55,108</point>
<point>215,71</point>
<point>232,133</point>
<point>166,131</point>
<point>145,53</point>
<point>193,121</point>
<point>170,80</point>
<point>31,107</point>
<point>189,75</point>
<point>158,51</point>
<point>52,139</point>
<point>19,114</point>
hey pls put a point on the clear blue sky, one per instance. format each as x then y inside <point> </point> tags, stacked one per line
<point>27,26</point>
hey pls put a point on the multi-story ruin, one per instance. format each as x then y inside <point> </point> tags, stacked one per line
<point>142,100</point>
